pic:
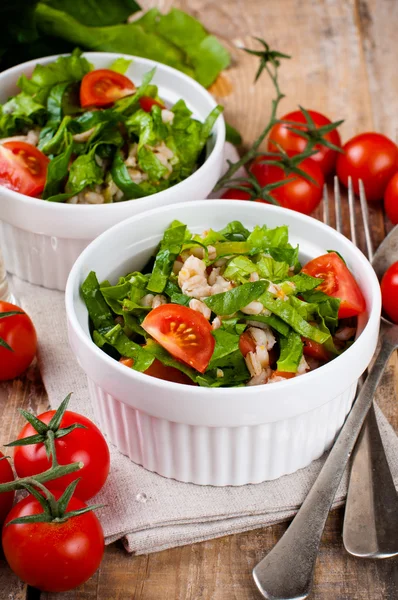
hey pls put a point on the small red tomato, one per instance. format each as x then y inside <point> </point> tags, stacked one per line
<point>184,332</point>
<point>103,87</point>
<point>389,292</point>
<point>338,282</point>
<point>53,556</point>
<point>161,371</point>
<point>87,445</point>
<point>234,194</point>
<point>391,199</point>
<point>371,157</point>
<point>23,168</point>
<point>6,499</point>
<point>297,193</point>
<point>290,141</point>
<point>146,103</point>
<point>18,332</point>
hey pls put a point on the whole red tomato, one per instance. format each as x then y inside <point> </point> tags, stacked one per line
<point>290,141</point>
<point>391,199</point>
<point>18,332</point>
<point>371,157</point>
<point>53,556</point>
<point>389,292</point>
<point>7,499</point>
<point>87,445</point>
<point>234,194</point>
<point>297,193</point>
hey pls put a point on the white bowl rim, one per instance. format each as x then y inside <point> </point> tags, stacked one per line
<point>158,384</point>
<point>218,130</point>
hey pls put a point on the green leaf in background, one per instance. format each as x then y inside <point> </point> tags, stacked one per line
<point>291,353</point>
<point>96,12</point>
<point>232,135</point>
<point>262,238</point>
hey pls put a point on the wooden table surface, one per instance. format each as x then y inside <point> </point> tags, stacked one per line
<point>344,55</point>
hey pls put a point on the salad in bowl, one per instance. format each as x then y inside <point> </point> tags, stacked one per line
<point>83,135</point>
<point>226,308</point>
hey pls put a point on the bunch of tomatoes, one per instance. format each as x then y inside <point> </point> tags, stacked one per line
<point>371,157</point>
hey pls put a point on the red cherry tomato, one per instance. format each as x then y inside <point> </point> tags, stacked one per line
<point>234,194</point>
<point>19,333</point>
<point>371,157</point>
<point>389,292</point>
<point>86,445</point>
<point>184,332</point>
<point>298,193</point>
<point>53,557</point>
<point>103,87</point>
<point>159,370</point>
<point>6,499</point>
<point>338,282</point>
<point>315,350</point>
<point>146,103</point>
<point>283,135</point>
<point>246,343</point>
<point>23,168</point>
<point>391,199</point>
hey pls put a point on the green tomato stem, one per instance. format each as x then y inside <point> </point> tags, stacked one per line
<point>49,475</point>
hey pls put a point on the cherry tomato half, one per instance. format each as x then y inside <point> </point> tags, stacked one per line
<point>290,141</point>
<point>391,199</point>
<point>87,445</point>
<point>19,333</point>
<point>6,499</point>
<point>184,332</point>
<point>146,103</point>
<point>103,87</point>
<point>315,349</point>
<point>23,168</point>
<point>338,282</point>
<point>53,557</point>
<point>371,157</point>
<point>298,193</point>
<point>389,292</point>
<point>161,371</point>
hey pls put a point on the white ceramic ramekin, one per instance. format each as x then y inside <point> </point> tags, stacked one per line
<point>218,436</point>
<point>41,240</point>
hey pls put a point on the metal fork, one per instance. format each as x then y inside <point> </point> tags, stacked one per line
<point>286,572</point>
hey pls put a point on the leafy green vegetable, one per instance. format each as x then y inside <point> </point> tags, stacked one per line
<point>232,135</point>
<point>239,268</point>
<point>291,353</point>
<point>262,238</point>
<point>271,320</point>
<point>304,283</point>
<point>176,297</point>
<point>57,173</point>
<point>84,172</point>
<point>170,248</point>
<point>121,177</point>
<point>97,12</point>
<point>226,344</point>
<point>98,309</point>
<point>234,232</point>
<point>156,351</point>
<point>233,300</point>
<point>120,65</point>
<point>271,269</point>
<point>126,347</point>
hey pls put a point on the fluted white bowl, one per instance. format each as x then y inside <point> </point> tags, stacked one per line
<point>218,436</point>
<point>41,240</point>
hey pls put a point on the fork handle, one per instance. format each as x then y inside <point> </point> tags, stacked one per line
<point>286,572</point>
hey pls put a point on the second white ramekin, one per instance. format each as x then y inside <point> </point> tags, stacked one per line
<point>219,436</point>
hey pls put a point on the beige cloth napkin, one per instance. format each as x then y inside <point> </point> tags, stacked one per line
<point>151,513</point>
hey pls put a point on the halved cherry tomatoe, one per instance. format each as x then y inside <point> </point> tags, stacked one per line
<point>315,350</point>
<point>184,332</point>
<point>103,87</point>
<point>146,103</point>
<point>161,371</point>
<point>23,168</point>
<point>338,282</point>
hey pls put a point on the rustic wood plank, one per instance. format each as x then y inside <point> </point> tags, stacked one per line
<point>343,55</point>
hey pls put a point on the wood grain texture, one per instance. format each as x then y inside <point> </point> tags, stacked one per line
<point>343,63</point>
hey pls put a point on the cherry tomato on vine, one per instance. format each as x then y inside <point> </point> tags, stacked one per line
<point>292,142</point>
<point>103,87</point>
<point>389,292</point>
<point>371,157</point>
<point>234,194</point>
<point>19,334</point>
<point>161,371</point>
<point>86,444</point>
<point>23,168</point>
<point>338,282</point>
<point>297,193</point>
<point>391,199</point>
<point>6,499</point>
<point>53,556</point>
<point>184,332</point>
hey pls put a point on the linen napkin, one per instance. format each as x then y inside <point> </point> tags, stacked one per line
<point>148,512</point>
